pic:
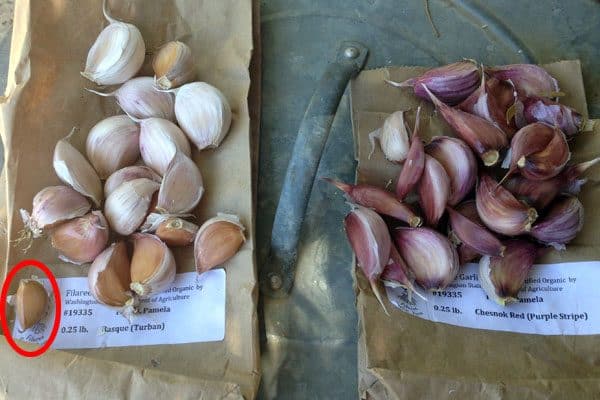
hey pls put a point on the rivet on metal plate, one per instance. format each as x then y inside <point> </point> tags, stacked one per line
<point>351,52</point>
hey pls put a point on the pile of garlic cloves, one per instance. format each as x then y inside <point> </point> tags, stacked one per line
<point>501,190</point>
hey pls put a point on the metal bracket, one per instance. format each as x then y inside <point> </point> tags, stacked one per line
<point>277,277</point>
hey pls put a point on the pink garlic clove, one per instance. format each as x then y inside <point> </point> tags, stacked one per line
<point>561,224</point>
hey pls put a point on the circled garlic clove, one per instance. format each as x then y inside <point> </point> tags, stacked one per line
<point>152,265</point>
<point>31,303</point>
<point>80,240</point>
<point>159,141</point>
<point>127,206</point>
<point>181,188</point>
<point>109,276</point>
<point>173,65</point>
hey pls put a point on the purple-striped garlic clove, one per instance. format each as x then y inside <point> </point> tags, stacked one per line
<point>538,109</point>
<point>561,224</point>
<point>433,190</point>
<point>528,79</point>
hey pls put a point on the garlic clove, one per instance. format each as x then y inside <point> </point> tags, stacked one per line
<point>538,194</point>
<point>412,169</point>
<point>430,256</point>
<point>474,235</point>
<point>127,206</point>
<point>397,274</point>
<point>433,190</point>
<point>502,277</point>
<point>528,79</point>
<point>500,211</point>
<point>152,265</point>
<point>176,232</point>
<point>153,221</point>
<point>112,144</point>
<point>109,276</point>
<point>173,65</point>
<point>80,240</point>
<point>379,200</point>
<point>73,169</point>
<point>203,113</point>
<point>181,188</point>
<point>538,109</point>
<point>159,141</point>
<point>466,254</point>
<point>561,224</point>
<point>458,162</point>
<point>128,174</point>
<point>392,137</point>
<point>217,240</point>
<point>31,303</point>
<point>570,178</point>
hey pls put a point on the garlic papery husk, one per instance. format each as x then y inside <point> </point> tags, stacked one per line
<point>397,274</point>
<point>370,240</point>
<point>466,254</point>
<point>31,303</point>
<point>485,138</point>
<point>412,169</point>
<point>561,224</point>
<point>458,162</point>
<point>203,113</point>
<point>54,205</point>
<point>181,188</point>
<point>128,174</point>
<point>126,208</point>
<point>570,178</point>
<point>73,169</point>
<point>80,240</point>
<point>176,232</point>
<point>109,276</point>
<point>451,83</point>
<point>173,65</point>
<point>500,211</point>
<point>430,256</point>
<point>379,200</point>
<point>538,109</point>
<point>217,240</point>
<point>392,137</point>
<point>117,54</point>
<point>502,277</point>
<point>433,190</point>
<point>152,265</point>
<point>474,235</point>
<point>159,141</point>
<point>528,79</point>
<point>112,144</point>
<point>139,99</point>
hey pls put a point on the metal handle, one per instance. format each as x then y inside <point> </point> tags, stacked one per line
<point>278,274</point>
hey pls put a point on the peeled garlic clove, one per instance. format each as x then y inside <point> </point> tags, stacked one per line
<point>412,169</point>
<point>451,83</point>
<point>80,240</point>
<point>430,256</point>
<point>474,235</point>
<point>217,240</point>
<point>528,79</point>
<point>176,232</point>
<point>73,169</point>
<point>113,143</point>
<point>128,174</point>
<point>502,277</point>
<point>203,113</point>
<point>379,200</point>
<point>433,190</point>
<point>109,276</point>
<point>500,211</point>
<point>181,188</point>
<point>31,303</point>
<point>393,137</point>
<point>173,65</point>
<point>127,206</point>
<point>458,162</point>
<point>538,109</point>
<point>152,265</point>
<point>117,54</point>
<point>159,141</point>
<point>562,223</point>
<point>485,138</point>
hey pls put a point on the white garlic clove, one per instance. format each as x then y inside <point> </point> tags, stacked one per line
<point>173,65</point>
<point>152,265</point>
<point>128,174</point>
<point>80,240</point>
<point>181,188</point>
<point>31,303</point>
<point>203,113</point>
<point>159,141</point>
<point>393,137</point>
<point>126,207</point>
<point>112,144</point>
<point>217,240</point>
<point>109,276</point>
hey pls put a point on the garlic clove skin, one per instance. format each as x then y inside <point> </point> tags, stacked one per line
<point>126,207</point>
<point>412,169</point>
<point>128,174</point>
<point>561,224</point>
<point>181,188</point>
<point>217,240</point>
<point>397,274</point>
<point>433,190</point>
<point>80,240</point>
<point>31,303</point>
<point>73,169</point>
<point>392,137</point>
<point>159,141</point>
<point>173,65</point>
<point>474,235</point>
<point>528,79</point>
<point>112,144</point>
<point>152,265</point>
<point>203,113</point>
<point>538,109</point>
<point>176,232</point>
<point>109,276</point>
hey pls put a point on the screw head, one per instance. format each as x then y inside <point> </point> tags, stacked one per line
<point>351,52</point>
<point>275,281</point>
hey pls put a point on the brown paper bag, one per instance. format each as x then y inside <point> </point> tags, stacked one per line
<point>405,357</point>
<point>45,99</point>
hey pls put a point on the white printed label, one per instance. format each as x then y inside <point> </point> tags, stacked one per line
<point>191,310</point>
<point>557,299</point>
